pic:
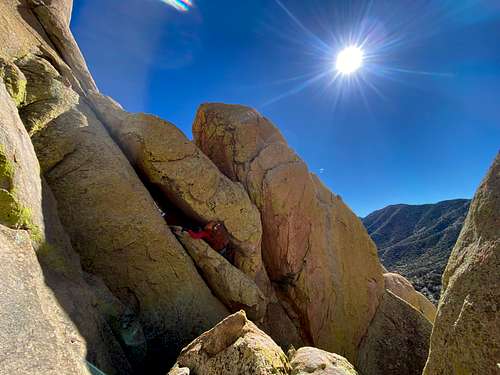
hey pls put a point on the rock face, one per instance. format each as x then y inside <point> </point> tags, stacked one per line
<point>314,361</point>
<point>36,337</point>
<point>129,246</point>
<point>402,288</point>
<point>235,289</point>
<point>397,342</point>
<point>20,192</point>
<point>465,339</point>
<point>187,178</point>
<point>416,240</point>
<point>235,346</point>
<point>316,251</point>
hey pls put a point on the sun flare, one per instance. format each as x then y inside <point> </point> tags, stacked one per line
<point>349,60</point>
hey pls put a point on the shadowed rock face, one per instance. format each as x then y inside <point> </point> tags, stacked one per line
<point>316,251</point>
<point>35,335</point>
<point>397,342</point>
<point>467,328</point>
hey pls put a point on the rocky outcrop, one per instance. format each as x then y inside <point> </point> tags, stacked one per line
<point>235,289</point>
<point>316,251</point>
<point>314,361</point>
<point>465,339</point>
<point>397,342</point>
<point>402,288</point>
<point>188,180</point>
<point>129,246</point>
<point>187,177</point>
<point>235,346</point>
<point>36,337</point>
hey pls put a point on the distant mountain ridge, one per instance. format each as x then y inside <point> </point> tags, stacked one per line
<point>416,240</point>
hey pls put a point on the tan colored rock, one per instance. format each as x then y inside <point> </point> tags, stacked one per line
<point>20,185</point>
<point>397,342</point>
<point>28,203</point>
<point>235,346</point>
<point>54,16</point>
<point>466,335</point>
<point>61,9</point>
<point>235,289</point>
<point>187,177</point>
<point>309,360</point>
<point>316,251</point>
<point>47,95</point>
<point>36,337</point>
<point>402,288</point>
<point>128,245</point>
<point>14,81</point>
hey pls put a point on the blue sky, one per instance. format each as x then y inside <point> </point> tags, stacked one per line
<point>419,123</point>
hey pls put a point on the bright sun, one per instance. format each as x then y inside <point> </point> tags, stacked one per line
<point>349,60</point>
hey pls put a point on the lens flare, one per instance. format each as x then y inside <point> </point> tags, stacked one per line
<point>180,5</point>
<point>349,60</point>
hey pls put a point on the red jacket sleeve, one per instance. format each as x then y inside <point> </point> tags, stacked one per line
<point>198,235</point>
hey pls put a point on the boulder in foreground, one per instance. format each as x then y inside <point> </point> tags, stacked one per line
<point>466,335</point>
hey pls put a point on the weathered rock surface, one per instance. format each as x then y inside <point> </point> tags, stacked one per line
<point>187,178</point>
<point>36,337</point>
<point>397,342</point>
<point>309,360</point>
<point>402,288</point>
<point>54,16</point>
<point>20,185</point>
<point>47,95</point>
<point>27,203</point>
<point>316,251</point>
<point>235,346</point>
<point>128,245</point>
<point>235,289</point>
<point>466,335</point>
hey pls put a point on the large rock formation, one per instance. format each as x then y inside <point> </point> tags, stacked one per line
<point>36,337</point>
<point>129,246</point>
<point>416,240</point>
<point>235,346</point>
<point>402,288</point>
<point>465,339</point>
<point>189,181</point>
<point>397,342</point>
<point>26,202</point>
<point>316,251</point>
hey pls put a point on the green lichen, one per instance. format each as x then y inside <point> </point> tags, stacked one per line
<point>15,82</point>
<point>6,170</point>
<point>13,213</point>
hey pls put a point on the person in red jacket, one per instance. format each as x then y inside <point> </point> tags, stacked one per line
<point>215,234</point>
